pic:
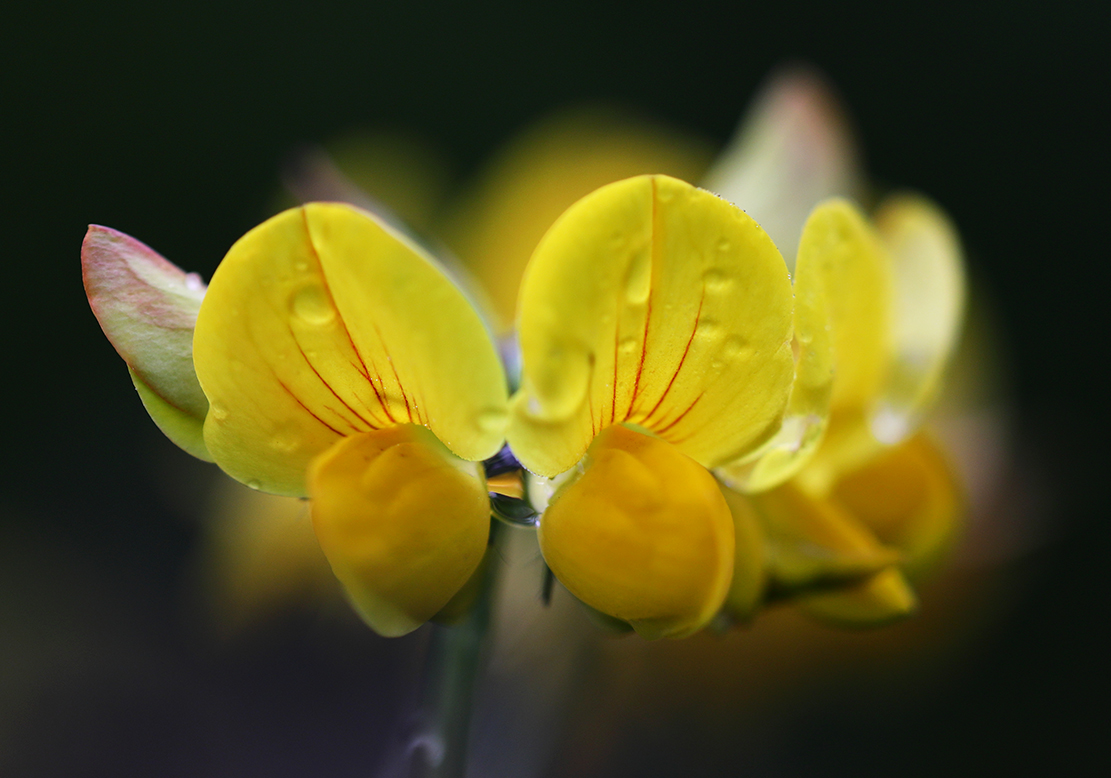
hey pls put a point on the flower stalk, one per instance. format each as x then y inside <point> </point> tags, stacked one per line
<point>456,654</point>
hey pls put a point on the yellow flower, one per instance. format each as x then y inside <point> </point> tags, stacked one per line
<point>663,345</point>
<point>340,363</point>
<point>878,502</point>
<point>657,306</point>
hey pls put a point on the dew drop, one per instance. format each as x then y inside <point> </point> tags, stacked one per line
<point>628,345</point>
<point>219,413</point>
<point>708,329</point>
<point>716,280</point>
<point>311,305</point>
<point>285,442</point>
<point>254,484</point>
<point>736,349</point>
<point>723,245</point>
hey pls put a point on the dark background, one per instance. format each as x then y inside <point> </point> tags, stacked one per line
<point>171,126</point>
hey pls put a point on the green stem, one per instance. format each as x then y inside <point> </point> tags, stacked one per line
<point>439,746</point>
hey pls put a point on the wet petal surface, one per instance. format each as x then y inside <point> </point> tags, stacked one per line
<point>658,304</point>
<point>322,323</point>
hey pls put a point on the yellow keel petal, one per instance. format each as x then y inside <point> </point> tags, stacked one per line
<point>403,522</point>
<point>644,535</point>
<point>909,497</point>
<point>814,542</point>
<point>881,599</point>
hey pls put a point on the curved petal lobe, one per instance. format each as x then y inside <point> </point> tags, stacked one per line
<point>644,535</point>
<point>322,323</point>
<point>929,295</point>
<point>403,522</point>
<point>909,498</point>
<point>855,273</point>
<point>807,414</point>
<point>658,304</point>
<point>813,542</point>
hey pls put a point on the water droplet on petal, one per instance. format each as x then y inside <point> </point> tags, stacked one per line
<point>708,329</point>
<point>723,245</point>
<point>311,305</point>
<point>736,349</point>
<point>219,412</point>
<point>285,442</point>
<point>254,484</point>
<point>629,345</point>
<point>716,281</point>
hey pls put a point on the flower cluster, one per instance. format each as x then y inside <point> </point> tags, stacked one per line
<point>705,427</point>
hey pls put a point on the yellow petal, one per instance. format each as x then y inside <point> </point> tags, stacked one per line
<point>644,535</point>
<point>322,323</point>
<point>529,184</point>
<point>658,304</point>
<point>792,150</point>
<point>855,273</point>
<point>814,542</point>
<point>403,522</point>
<point>909,498</point>
<point>808,408</point>
<point>750,563</point>
<point>881,599</point>
<point>929,295</point>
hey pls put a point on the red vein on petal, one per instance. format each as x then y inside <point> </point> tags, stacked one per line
<point>365,371</point>
<point>393,367</point>
<point>679,418</point>
<point>335,394</point>
<point>683,359</point>
<point>307,409</point>
<point>648,311</point>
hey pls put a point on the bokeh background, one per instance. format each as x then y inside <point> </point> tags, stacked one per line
<point>172,124</point>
